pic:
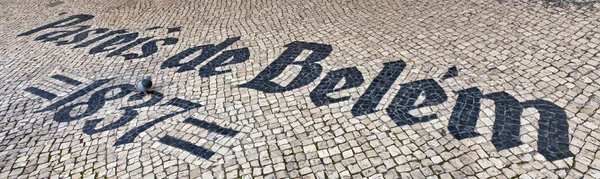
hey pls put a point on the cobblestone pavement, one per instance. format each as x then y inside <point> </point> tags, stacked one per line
<point>300,89</point>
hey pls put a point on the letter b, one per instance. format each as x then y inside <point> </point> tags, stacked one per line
<point>310,69</point>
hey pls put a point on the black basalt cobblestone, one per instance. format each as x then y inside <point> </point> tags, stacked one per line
<point>299,89</point>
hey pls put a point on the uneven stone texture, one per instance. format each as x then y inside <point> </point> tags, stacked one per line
<point>300,89</point>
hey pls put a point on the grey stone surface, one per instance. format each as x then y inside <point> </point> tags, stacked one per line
<point>530,50</point>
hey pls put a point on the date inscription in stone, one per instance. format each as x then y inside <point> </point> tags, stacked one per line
<point>552,142</point>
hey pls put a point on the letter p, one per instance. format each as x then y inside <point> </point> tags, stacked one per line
<point>72,20</point>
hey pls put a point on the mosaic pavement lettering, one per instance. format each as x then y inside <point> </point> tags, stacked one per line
<point>311,89</point>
